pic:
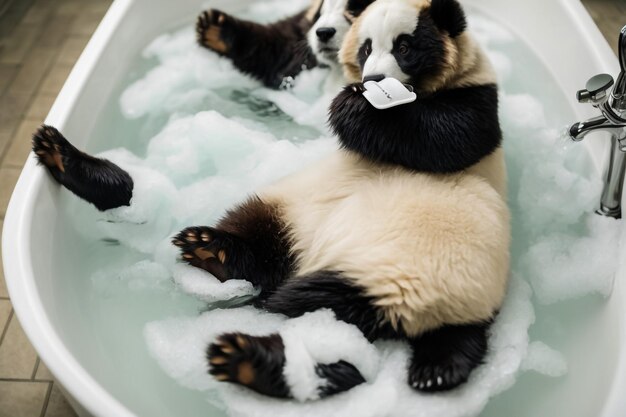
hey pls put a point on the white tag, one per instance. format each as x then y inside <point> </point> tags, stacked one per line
<point>387,93</point>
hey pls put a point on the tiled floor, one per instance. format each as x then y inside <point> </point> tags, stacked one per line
<point>39,42</point>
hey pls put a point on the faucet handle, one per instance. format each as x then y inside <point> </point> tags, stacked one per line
<point>595,91</point>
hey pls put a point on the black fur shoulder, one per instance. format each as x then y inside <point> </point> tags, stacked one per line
<point>447,131</point>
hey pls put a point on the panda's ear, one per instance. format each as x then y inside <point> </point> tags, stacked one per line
<point>356,7</point>
<point>448,15</point>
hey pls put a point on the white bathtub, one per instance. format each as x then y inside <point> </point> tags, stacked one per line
<point>560,32</point>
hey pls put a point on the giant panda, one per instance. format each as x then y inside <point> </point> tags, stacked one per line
<point>403,231</point>
<point>276,53</point>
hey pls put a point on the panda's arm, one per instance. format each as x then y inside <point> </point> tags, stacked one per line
<point>267,52</point>
<point>446,132</point>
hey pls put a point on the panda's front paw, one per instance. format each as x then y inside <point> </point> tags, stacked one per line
<point>205,248</point>
<point>209,27</point>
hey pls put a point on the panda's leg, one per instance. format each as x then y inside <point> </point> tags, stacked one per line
<point>444,358</point>
<point>328,289</point>
<point>267,52</point>
<point>95,180</point>
<point>241,359</point>
<point>250,242</point>
<point>257,362</point>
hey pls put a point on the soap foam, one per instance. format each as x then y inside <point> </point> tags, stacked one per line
<point>220,142</point>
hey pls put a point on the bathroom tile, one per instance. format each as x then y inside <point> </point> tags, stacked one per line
<point>71,49</point>
<point>21,144</point>
<point>70,7</point>
<point>40,106</point>
<point>43,373</point>
<point>19,44</point>
<point>5,313</point>
<point>12,108</point>
<point>58,405</point>
<point>33,69</point>
<point>99,7</point>
<point>56,78</point>
<point>54,32</point>
<point>17,356</point>
<point>22,399</point>
<point>8,179</point>
<point>38,13</point>
<point>85,24</point>
<point>3,286</point>
<point>7,73</point>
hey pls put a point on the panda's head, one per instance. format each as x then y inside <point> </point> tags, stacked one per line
<point>419,42</point>
<point>332,20</point>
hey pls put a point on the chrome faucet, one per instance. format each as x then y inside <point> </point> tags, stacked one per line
<point>613,109</point>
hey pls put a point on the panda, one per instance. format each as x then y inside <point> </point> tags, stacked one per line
<point>403,231</point>
<point>276,53</point>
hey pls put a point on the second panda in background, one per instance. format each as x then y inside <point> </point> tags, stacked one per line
<point>276,53</point>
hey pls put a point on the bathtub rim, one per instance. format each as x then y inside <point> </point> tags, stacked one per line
<point>23,292</point>
<point>20,279</point>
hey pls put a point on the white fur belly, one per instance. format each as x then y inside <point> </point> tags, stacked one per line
<point>430,249</point>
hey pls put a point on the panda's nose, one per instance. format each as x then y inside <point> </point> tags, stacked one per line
<point>324,34</point>
<point>374,77</point>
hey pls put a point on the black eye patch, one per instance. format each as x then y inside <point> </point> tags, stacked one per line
<point>421,53</point>
<point>364,51</point>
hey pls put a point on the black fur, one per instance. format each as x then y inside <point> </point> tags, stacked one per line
<point>446,356</point>
<point>256,362</point>
<point>98,181</point>
<point>340,376</point>
<point>254,241</point>
<point>425,51</point>
<point>448,15</point>
<point>364,52</point>
<point>330,290</point>
<point>356,7</point>
<point>269,53</point>
<point>447,131</point>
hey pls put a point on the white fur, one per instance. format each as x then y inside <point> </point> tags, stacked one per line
<point>332,16</point>
<point>386,21</point>
<point>431,249</point>
<point>317,338</point>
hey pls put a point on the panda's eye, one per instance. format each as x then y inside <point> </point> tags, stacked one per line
<point>403,48</point>
<point>368,49</point>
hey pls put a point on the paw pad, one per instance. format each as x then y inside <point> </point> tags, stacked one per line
<point>205,248</point>
<point>228,359</point>
<point>208,30</point>
<point>48,145</point>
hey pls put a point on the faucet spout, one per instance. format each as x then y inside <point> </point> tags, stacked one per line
<point>578,131</point>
